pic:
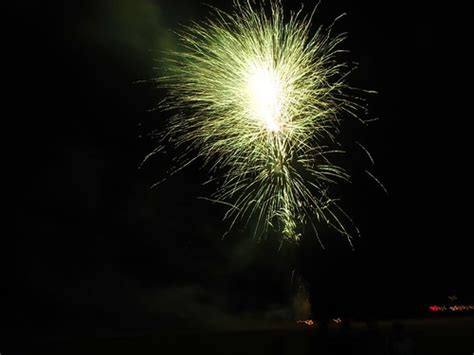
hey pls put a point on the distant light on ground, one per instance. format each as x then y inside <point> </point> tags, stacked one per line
<point>452,308</point>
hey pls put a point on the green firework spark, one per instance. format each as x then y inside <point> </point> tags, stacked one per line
<point>258,97</point>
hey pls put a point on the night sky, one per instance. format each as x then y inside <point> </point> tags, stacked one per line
<point>94,247</point>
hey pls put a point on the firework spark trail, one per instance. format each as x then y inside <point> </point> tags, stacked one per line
<point>259,99</point>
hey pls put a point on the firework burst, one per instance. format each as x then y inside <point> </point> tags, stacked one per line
<point>258,98</point>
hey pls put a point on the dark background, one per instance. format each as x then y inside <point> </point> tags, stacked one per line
<point>93,247</point>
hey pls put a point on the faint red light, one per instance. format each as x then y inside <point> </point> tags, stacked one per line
<point>453,308</point>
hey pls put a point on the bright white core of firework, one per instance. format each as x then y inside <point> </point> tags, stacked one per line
<point>266,96</point>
